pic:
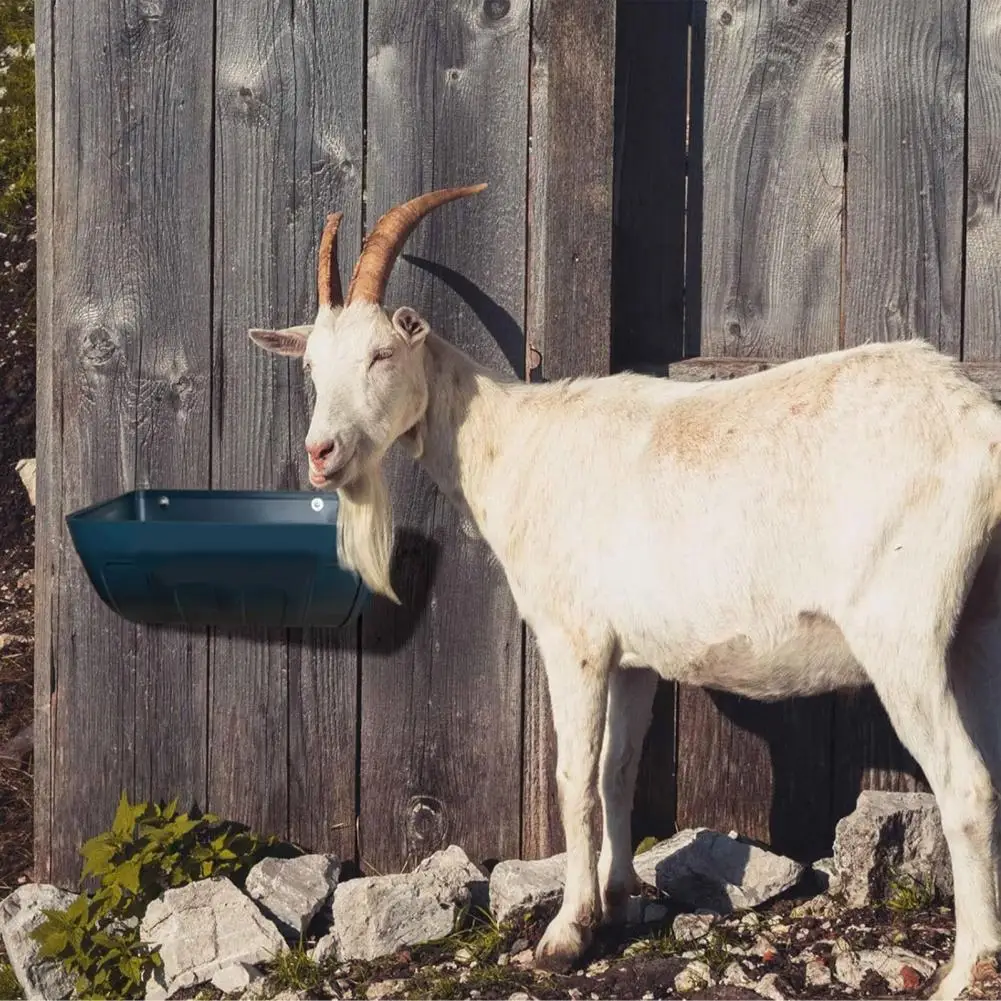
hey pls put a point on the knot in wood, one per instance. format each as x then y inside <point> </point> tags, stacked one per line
<point>426,823</point>
<point>496,9</point>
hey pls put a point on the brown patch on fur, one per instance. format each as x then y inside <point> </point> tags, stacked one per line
<point>731,656</point>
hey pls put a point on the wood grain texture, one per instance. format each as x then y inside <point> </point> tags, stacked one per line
<point>328,44</point>
<point>982,319</point>
<point>770,288</point>
<point>569,287</point>
<point>773,176</point>
<point>130,358</point>
<point>904,224</point>
<point>48,525</point>
<point>441,679</point>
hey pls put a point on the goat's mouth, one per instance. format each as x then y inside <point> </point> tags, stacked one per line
<point>331,479</point>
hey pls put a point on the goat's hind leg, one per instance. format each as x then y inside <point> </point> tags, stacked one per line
<point>630,701</point>
<point>919,698</point>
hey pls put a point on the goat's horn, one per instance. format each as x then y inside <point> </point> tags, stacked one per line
<point>328,277</point>
<point>384,243</point>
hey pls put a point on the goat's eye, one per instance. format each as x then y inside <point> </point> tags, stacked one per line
<point>381,355</point>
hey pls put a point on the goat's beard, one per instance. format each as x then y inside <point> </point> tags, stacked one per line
<point>365,531</point>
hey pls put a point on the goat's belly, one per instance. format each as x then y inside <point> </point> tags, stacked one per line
<point>808,658</point>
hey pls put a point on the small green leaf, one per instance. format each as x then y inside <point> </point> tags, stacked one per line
<point>124,817</point>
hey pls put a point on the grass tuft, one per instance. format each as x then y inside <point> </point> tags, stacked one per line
<point>908,895</point>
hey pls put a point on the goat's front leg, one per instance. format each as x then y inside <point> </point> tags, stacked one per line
<point>577,672</point>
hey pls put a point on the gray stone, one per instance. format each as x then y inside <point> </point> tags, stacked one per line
<point>816,973</point>
<point>517,885</point>
<point>156,987</point>
<point>654,914</point>
<point>825,875</point>
<point>900,968</point>
<point>736,976</point>
<point>772,986</point>
<point>692,927</point>
<point>20,914</point>
<point>694,976</point>
<point>202,928</point>
<point>378,915</point>
<point>26,471</point>
<point>890,834</point>
<point>324,948</point>
<point>292,891</point>
<point>702,868</point>
<point>238,977</point>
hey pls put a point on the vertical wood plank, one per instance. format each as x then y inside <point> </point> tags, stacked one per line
<point>904,224</point>
<point>771,266</point>
<point>130,358</point>
<point>774,178</point>
<point>441,680</point>
<point>328,46</point>
<point>48,529</point>
<point>982,320</point>
<point>904,221</point>
<point>569,304</point>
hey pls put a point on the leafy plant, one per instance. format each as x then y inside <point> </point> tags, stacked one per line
<point>295,970</point>
<point>149,848</point>
<point>908,894</point>
<point>9,986</point>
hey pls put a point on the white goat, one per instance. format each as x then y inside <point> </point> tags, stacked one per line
<point>829,523</point>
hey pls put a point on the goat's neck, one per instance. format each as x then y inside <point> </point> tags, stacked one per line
<point>462,426</point>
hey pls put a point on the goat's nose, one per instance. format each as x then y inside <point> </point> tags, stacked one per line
<point>321,451</point>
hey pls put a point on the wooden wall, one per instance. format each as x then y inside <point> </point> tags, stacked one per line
<point>672,183</point>
<point>189,153</point>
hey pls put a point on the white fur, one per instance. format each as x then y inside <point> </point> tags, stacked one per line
<point>816,526</point>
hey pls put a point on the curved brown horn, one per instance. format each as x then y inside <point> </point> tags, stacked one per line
<point>384,243</point>
<point>328,278</point>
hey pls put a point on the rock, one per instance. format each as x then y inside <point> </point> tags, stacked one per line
<point>702,868</point>
<point>692,927</point>
<point>890,833</point>
<point>736,976</point>
<point>524,958</point>
<point>324,948</point>
<point>896,966</point>
<point>292,891</point>
<point>383,988</point>
<point>694,976</point>
<point>654,914</point>
<point>377,915</point>
<point>635,907</point>
<point>204,927</point>
<point>20,914</point>
<point>26,470</point>
<point>816,973</point>
<point>517,885</point>
<point>238,977</point>
<point>820,906</point>
<point>825,875</point>
<point>156,988</point>
<point>771,985</point>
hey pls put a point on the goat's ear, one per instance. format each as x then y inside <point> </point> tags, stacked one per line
<point>290,342</point>
<point>410,325</point>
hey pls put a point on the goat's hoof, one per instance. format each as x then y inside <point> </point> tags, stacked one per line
<point>561,946</point>
<point>945,984</point>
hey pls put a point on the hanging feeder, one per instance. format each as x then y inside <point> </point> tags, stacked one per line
<point>228,558</point>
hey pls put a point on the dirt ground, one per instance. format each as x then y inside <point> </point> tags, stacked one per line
<point>17,540</point>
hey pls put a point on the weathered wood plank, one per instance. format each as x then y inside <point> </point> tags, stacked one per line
<point>256,275</point>
<point>569,292</point>
<point>773,175</point>
<point>441,679</point>
<point>904,222</point>
<point>130,356</point>
<point>648,273</point>
<point>982,319</point>
<point>771,278</point>
<point>323,665</point>
<point>48,527</point>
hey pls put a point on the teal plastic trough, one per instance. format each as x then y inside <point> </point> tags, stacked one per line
<point>230,558</point>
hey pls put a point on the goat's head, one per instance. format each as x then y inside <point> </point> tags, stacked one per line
<point>367,369</point>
